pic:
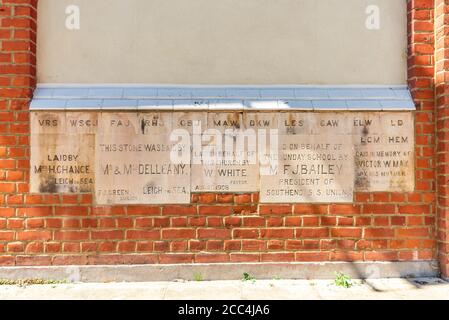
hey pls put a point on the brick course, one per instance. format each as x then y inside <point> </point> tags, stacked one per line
<point>41,229</point>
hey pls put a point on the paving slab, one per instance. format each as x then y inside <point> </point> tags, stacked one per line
<point>373,289</point>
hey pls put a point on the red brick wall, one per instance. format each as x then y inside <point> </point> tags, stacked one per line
<point>442,115</point>
<point>67,229</point>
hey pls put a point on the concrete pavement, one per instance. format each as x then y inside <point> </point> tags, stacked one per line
<point>423,289</point>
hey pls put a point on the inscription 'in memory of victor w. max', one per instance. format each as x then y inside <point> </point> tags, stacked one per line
<point>126,158</point>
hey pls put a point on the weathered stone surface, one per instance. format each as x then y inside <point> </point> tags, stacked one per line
<point>384,151</point>
<point>134,164</point>
<point>62,152</point>
<point>48,122</point>
<point>316,168</point>
<point>62,163</point>
<point>227,161</point>
<point>126,157</point>
<point>225,176</point>
<point>139,170</point>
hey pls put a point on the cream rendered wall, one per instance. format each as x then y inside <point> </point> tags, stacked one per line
<point>222,42</point>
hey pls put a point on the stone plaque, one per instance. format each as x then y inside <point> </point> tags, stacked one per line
<point>224,155</point>
<point>316,168</point>
<point>62,152</point>
<point>384,151</point>
<point>134,164</point>
<point>161,157</point>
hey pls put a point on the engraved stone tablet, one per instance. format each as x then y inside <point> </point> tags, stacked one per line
<point>384,151</point>
<point>161,157</point>
<point>227,161</point>
<point>315,168</point>
<point>134,163</point>
<point>62,152</point>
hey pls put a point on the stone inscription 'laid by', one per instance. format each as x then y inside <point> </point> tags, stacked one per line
<point>62,152</point>
<point>162,157</point>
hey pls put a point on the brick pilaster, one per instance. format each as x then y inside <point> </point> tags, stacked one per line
<point>17,80</point>
<point>421,80</point>
<point>442,114</point>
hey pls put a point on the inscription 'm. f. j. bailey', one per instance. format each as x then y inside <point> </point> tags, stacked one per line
<point>310,171</point>
<point>126,158</point>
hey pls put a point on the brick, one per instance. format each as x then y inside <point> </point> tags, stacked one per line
<point>346,256</point>
<point>414,209</point>
<point>126,246</point>
<point>33,260</point>
<point>242,198</point>
<point>381,256</point>
<point>312,233</point>
<point>196,245</point>
<point>253,245</point>
<point>7,260</point>
<point>277,257</point>
<point>253,222</point>
<point>215,245</point>
<point>293,221</point>
<point>310,209</point>
<point>207,198</point>
<point>70,260</point>
<point>178,222</point>
<point>311,256</point>
<point>275,210</point>
<point>344,209</point>
<point>245,257</point>
<point>233,221</point>
<point>110,234</point>
<point>140,259</point>
<point>245,233</point>
<point>214,233</point>
<point>215,210</point>
<point>34,248</point>
<point>71,235</point>
<point>143,234</point>
<point>143,210</point>
<point>275,245</point>
<point>178,234</point>
<point>379,209</point>
<point>412,233</point>
<point>71,211</point>
<point>232,245</point>
<point>144,246</point>
<point>88,247</point>
<point>176,258</point>
<point>33,235</point>
<point>179,210</point>
<point>277,233</point>
<point>378,233</point>
<point>346,232</point>
<point>211,258</point>
<point>15,247</point>
<point>96,211</point>
<point>275,221</point>
<point>225,198</point>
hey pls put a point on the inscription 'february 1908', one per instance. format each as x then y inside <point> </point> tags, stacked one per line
<point>162,157</point>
